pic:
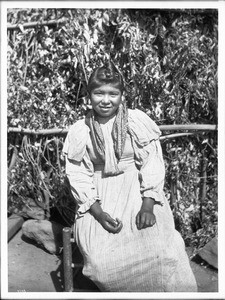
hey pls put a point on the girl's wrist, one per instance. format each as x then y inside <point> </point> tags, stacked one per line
<point>148,204</point>
<point>96,210</point>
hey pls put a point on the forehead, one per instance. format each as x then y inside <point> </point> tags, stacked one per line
<point>107,87</point>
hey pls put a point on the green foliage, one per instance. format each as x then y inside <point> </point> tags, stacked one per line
<point>169,62</point>
<point>195,212</point>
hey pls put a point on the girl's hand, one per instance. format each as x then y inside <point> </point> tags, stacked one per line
<point>108,223</point>
<point>145,219</point>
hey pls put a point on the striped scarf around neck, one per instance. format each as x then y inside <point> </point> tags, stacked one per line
<point>119,132</point>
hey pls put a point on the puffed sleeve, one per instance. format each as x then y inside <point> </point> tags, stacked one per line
<point>148,153</point>
<point>79,168</point>
<point>152,172</point>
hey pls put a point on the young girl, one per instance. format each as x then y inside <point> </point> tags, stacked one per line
<point>124,226</point>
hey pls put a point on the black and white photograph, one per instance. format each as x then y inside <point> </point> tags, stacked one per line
<point>112,149</point>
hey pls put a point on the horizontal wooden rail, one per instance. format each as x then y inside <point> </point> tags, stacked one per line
<point>34,24</point>
<point>53,131</point>
<point>175,135</point>
<point>189,127</point>
<point>186,127</point>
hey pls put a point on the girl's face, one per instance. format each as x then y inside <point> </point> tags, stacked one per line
<point>105,100</point>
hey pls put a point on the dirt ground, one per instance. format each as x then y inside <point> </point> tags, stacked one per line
<point>32,269</point>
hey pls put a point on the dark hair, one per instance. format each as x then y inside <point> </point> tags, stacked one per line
<point>106,74</point>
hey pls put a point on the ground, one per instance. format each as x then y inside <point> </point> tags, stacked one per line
<point>32,269</point>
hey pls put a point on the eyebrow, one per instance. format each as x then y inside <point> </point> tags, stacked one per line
<point>100,89</point>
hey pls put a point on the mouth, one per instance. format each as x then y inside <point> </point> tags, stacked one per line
<point>105,107</point>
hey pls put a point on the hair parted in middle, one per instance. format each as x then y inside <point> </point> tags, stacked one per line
<point>106,74</point>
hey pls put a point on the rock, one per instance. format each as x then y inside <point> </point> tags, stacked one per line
<point>32,210</point>
<point>210,252</point>
<point>45,233</point>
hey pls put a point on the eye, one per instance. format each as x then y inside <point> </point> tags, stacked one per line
<point>98,93</point>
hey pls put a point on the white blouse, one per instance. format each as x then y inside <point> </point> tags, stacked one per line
<point>81,160</point>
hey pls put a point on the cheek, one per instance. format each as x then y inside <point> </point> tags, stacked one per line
<point>94,101</point>
<point>117,101</point>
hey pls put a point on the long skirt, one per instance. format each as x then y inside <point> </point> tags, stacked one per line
<point>147,260</point>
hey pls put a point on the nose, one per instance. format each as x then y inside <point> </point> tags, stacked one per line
<point>105,99</point>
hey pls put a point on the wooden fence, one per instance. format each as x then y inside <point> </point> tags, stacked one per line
<point>193,128</point>
<point>180,131</point>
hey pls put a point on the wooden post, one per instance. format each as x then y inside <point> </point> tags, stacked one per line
<point>203,182</point>
<point>67,260</point>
